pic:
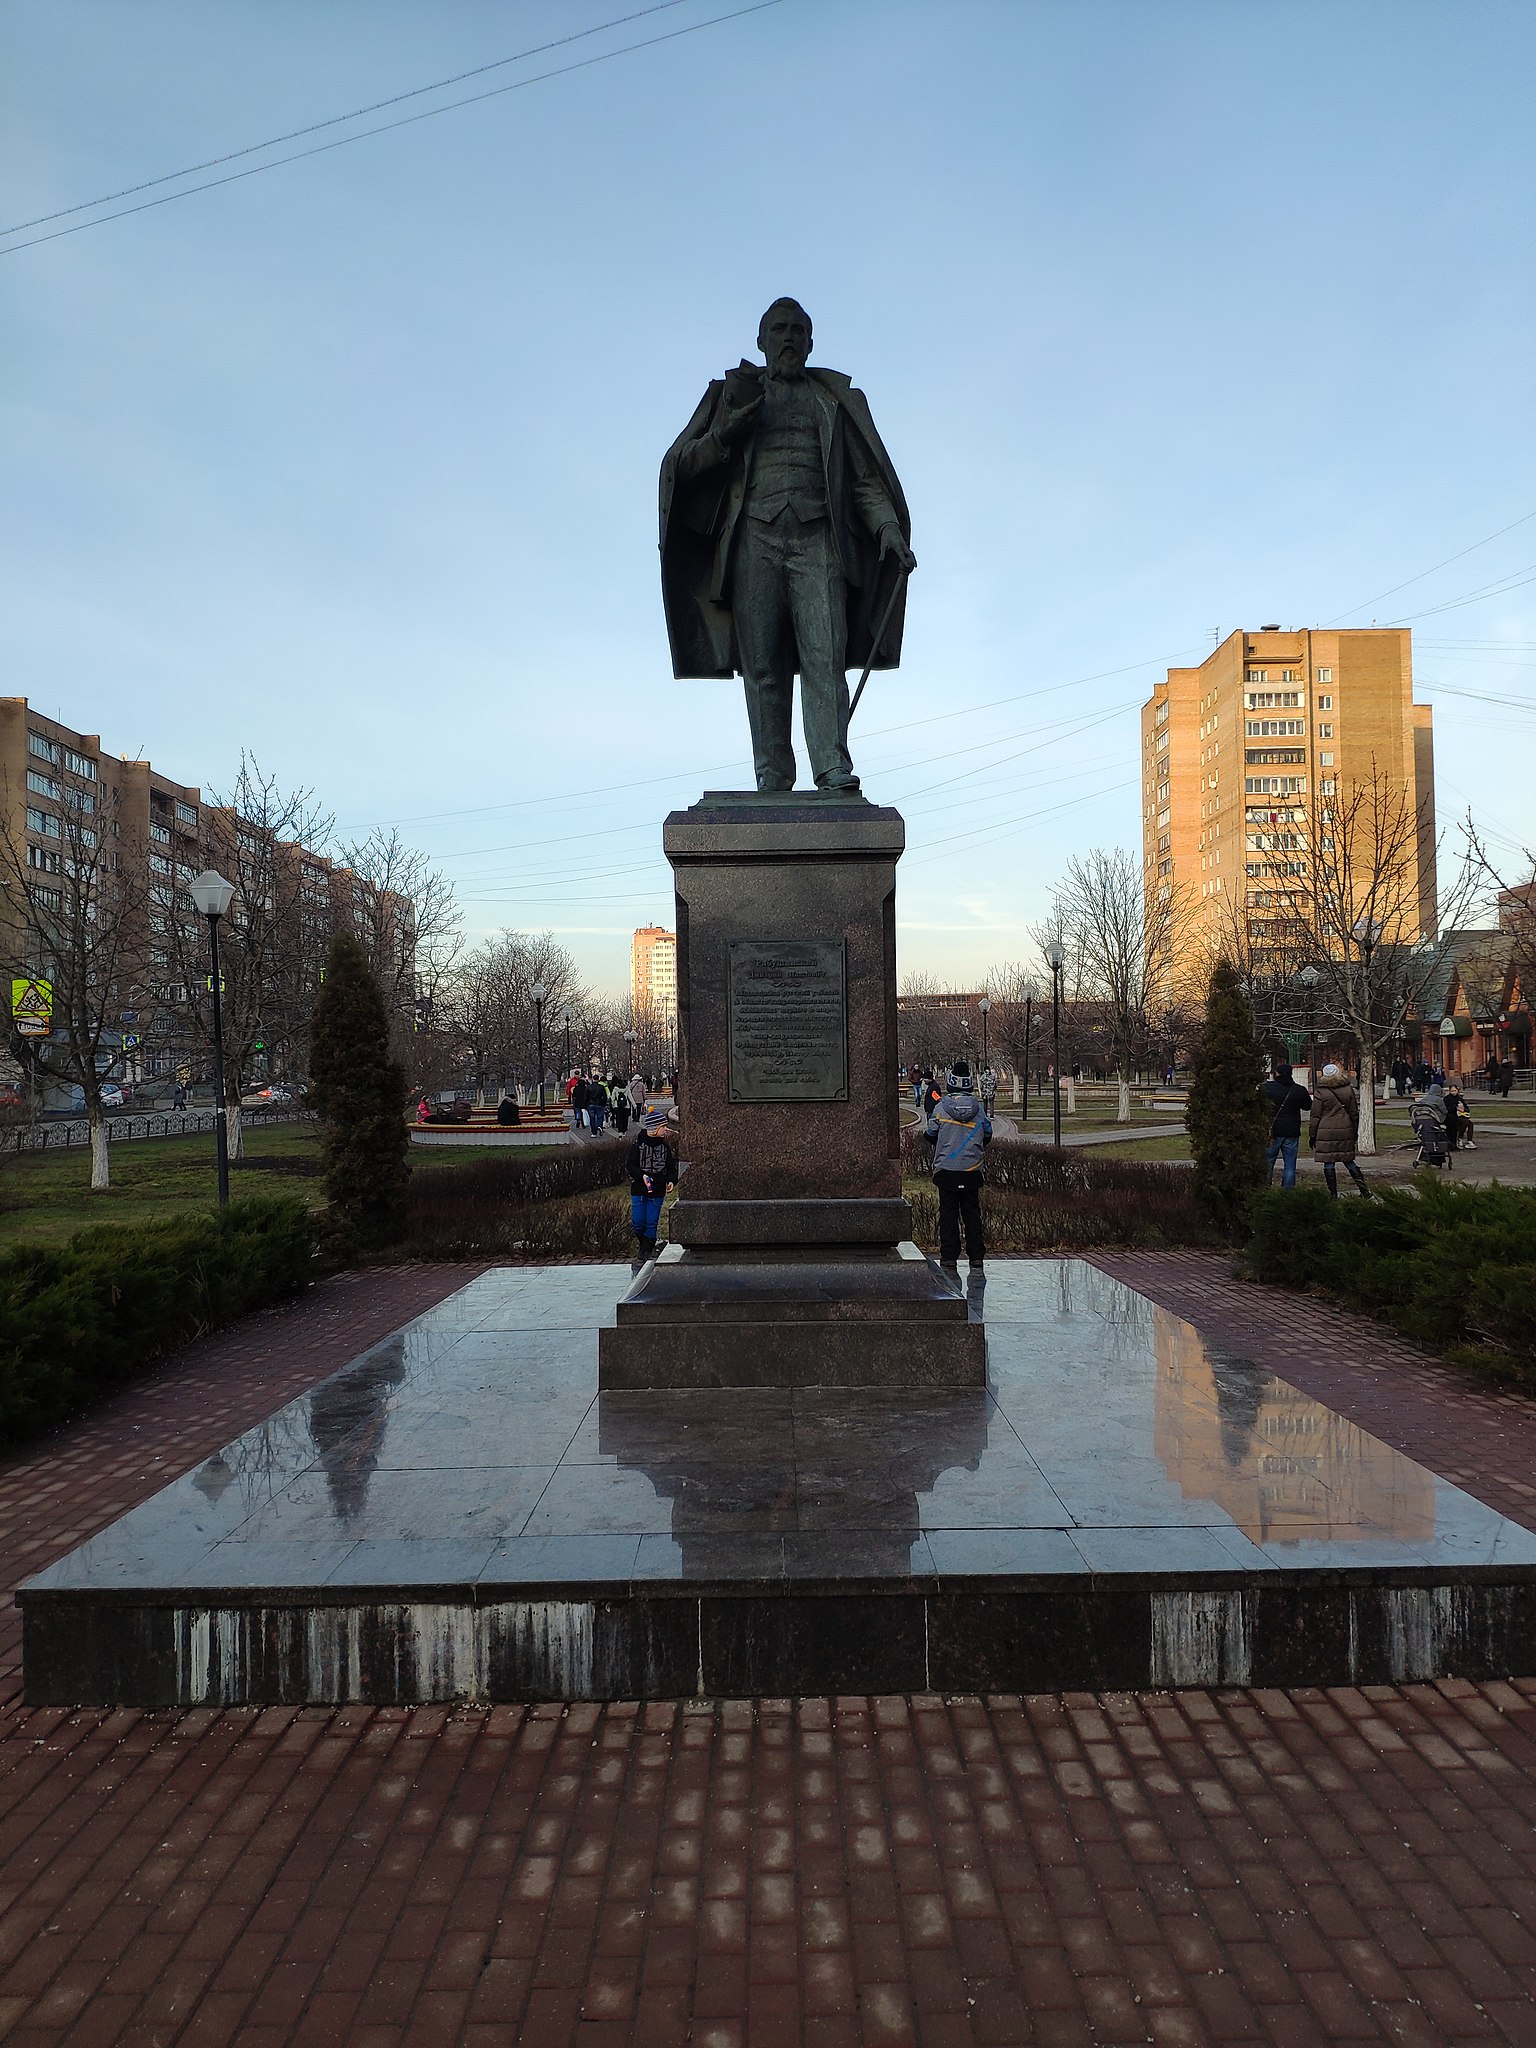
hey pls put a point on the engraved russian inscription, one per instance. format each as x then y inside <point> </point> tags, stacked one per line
<point>788,1021</point>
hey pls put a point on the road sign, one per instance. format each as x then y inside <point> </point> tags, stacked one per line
<point>128,1016</point>
<point>32,1006</point>
<point>223,984</point>
<point>130,1040</point>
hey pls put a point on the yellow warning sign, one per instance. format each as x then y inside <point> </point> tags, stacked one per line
<point>32,1006</point>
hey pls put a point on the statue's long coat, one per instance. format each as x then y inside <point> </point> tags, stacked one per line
<point>699,517</point>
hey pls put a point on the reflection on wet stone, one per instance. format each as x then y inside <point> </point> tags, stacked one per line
<point>348,1415</point>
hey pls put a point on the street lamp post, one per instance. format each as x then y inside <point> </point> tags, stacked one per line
<point>213,896</point>
<point>1308,979</point>
<point>1029,1018</point>
<point>1055,952</point>
<point>539,992</point>
<point>985,1007</point>
<point>565,1019</point>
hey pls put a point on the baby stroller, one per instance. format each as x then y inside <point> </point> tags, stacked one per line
<point>1428,1121</point>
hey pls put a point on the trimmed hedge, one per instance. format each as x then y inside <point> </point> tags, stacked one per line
<point>540,1207</point>
<point>1450,1266</point>
<point>1036,1199</point>
<point>81,1319</point>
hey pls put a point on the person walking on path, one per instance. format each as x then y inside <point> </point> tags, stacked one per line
<point>1428,1120</point>
<point>989,1089</point>
<point>623,1110</point>
<point>961,1131</point>
<point>1286,1099</point>
<point>637,1094</point>
<point>1334,1128</point>
<point>597,1106</point>
<point>1506,1077</point>
<point>652,1165</point>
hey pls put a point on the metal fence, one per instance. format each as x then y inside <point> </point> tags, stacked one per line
<point>186,1123</point>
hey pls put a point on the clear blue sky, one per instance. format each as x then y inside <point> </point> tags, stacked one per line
<point>1174,317</point>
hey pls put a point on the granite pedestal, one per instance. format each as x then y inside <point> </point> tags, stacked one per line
<point>790,1260</point>
<point>462,1513</point>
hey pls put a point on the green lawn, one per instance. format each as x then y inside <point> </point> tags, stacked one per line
<point>46,1196</point>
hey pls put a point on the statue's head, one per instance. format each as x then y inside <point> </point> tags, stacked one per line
<point>784,336</point>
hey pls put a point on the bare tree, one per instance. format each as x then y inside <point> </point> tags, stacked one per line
<point>1014,1026</point>
<point>74,917</point>
<point>926,1027</point>
<point>1119,943</point>
<point>404,915</point>
<point>486,1003</point>
<point>274,938</point>
<point>1365,916</point>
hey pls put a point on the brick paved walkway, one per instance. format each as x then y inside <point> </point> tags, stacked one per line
<point>1266,1867</point>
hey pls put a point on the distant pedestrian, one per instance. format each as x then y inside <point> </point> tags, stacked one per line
<point>989,1089</point>
<point>1455,1115</point>
<point>1491,1074</point>
<point>1401,1075</point>
<point>961,1131</point>
<point>1286,1099</point>
<point>579,1098</point>
<point>1506,1077</point>
<point>637,1094</point>
<point>1334,1127</point>
<point>623,1110</point>
<point>652,1165</point>
<point>507,1111</point>
<point>180,1098</point>
<point>931,1095</point>
<point>597,1107</point>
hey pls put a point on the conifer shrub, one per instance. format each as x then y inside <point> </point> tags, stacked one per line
<point>1450,1266</point>
<point>358,1092</point>
<point>1226,1117</point>
<point>81,1319</point>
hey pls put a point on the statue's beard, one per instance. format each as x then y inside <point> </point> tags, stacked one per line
<point>788,363</point>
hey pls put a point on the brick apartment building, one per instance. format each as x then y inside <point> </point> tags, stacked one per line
<point>64,800</point>
<point>1236,755</point>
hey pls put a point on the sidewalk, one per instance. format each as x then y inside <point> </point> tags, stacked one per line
<point>1276,1868</point>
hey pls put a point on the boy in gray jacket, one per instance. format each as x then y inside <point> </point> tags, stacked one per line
<point>961,1131</point>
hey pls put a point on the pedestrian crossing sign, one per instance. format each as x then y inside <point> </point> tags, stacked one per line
<point>32,1005</point>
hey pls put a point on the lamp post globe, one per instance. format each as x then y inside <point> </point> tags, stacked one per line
<point>212,895</point>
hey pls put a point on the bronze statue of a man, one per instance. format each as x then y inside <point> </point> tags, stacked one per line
<point>784,536</point>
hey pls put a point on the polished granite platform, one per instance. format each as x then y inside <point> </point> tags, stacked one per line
<point>460,1512</point>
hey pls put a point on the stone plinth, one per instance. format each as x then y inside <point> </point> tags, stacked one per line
<point>790,1261</point>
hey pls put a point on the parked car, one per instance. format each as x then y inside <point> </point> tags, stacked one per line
<point>112,1097</point>
<point>265,1095</point>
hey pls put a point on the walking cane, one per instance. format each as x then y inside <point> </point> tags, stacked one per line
<point>885,620</point>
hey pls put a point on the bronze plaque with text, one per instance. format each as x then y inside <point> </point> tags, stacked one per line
<point>788,1021</point>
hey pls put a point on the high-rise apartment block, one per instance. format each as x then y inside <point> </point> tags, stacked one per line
<point>1238,755</point>
<point>653,974</point>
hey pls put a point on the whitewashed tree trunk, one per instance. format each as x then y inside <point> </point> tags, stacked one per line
<point>1365,1140</point>
<point>1123,1113</point>
<point>101,1171</point>
<point>1071,1088</point>
<point>1017,1098</point>
<point>235,1130</point>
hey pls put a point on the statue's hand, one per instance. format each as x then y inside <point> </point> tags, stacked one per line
<point>738,421</point>
<point>891,543</point>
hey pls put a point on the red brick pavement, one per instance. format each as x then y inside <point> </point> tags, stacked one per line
<point>1266,1867</point>
<point>1470,1430</point>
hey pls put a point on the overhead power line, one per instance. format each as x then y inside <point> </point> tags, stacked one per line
<point>1524,520</point>
<point>335,120</point>
<point>382,128</point>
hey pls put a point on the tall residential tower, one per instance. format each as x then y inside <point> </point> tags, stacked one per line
<point>1236,755</point>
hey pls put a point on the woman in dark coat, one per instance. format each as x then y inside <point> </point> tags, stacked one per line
<point>1334,1127</point>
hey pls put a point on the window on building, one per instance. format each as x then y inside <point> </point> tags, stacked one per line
<point>42,785</point>
<point>44,859</point>
<point>1325,703</point>
<point>42,821</point>
<point>80,764</point>
<point>186,814</point>
<point>1325,675</point>
<point>45,750</point>
<point>1326,760</point>
<point>48,899</point>
<point>160,834</point>
<point>1162,712</point>
<point>80,800</point>
<point>1258,675</point>
<point>1325,732</point>
<point>1287,675</point>
<point>159,864</point>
